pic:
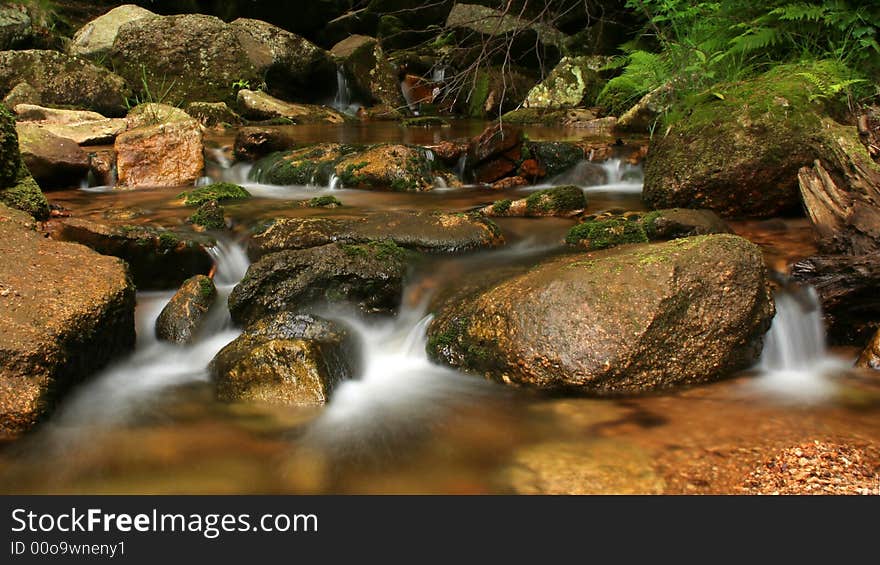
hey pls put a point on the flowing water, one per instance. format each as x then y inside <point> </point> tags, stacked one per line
<point>150,423</point>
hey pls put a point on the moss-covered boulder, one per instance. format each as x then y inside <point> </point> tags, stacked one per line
<point>575,81</point>
<point>738,149</point>
<point>181,318</point>
<point>158,258</point>
<point>218,191</point>
<point>63,80</point>
<point>425,232</point>
<point>618,321</point>
<point>259,105</point>
<point>608,229</point>
<point>67,312</point>
<point>25,194</point>
<point>555,157</point>
<point>564,201</point>
<point>209,216</point>
<point>15,26</point>
<point>371,75</point>
<point>328,201</point>
<point>384,166</point>
<point>10,156</point>
<point>369,276</point>
<point>286,359</point>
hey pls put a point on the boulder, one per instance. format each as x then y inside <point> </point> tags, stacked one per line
<point>370,276</point>
<point>563,201</point>
<point>619,321</point>
<point>164,155</point>
<point>645,114</point>
<point>198,58</point>
<point>81,126</point>
<point>293,67</point>
<point>158,258</point>
<point>599,231</point>
<point>213,114</point>
<point>52,160</point>
<point>491,22</point>
<point>252,143</point>
<point>63,80</point>
<point>15,26</point>
<point>555,157</point>
<point>285,359</point>
<point>95,39</point>
<point>738,150</point>
<point>870,356</point>
<point>371,76</point>
<point>67,311</point>
<point>494,91</point>
<point>383,166</point>
<point>18,189</point>
<point>682,222</point>
<point>22,93</point>
<point>420,231</point>
<point>573,82</point>
<point>495,140</point>
<point>154,113</point>
<point>181,318</point>
<point>261,106</point>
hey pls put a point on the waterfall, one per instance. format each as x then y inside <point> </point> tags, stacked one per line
<point>795,361</point>
<point>612,175</point>
<point>342,101</point>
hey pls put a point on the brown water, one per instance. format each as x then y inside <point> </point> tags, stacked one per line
<point>151,425</point>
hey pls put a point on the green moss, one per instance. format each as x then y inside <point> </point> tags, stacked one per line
<point>558,199</point>
<point>10,159</point>
<point>381,249</point>
<point>323,202</point>
<point>601,234</point>
<point>209,215</point>
<point>648,224</point>
<point>25,195</point>
<point>219,191</point>
<point>206,288</point>
<point>168,240</point>
<point>502,206</point>
<point>350,177</point>
<point>555,156</point>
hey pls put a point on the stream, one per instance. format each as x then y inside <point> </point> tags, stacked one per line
<point>149,423</point>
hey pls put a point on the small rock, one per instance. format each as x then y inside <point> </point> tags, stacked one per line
<point>184,314</point>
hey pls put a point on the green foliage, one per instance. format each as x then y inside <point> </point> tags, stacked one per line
<point>694,45</point>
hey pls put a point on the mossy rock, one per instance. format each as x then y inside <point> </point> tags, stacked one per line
<point>602,234</point>
<point>737,149</point>
<point>369,276</point>
<point>219,191</point>
<point>328,201</point>
<point>25,195</point>
<point>573,82</point>
<point>425,122</point>
<point>562,201</point>
<point>555,157</point>
<point>312,165</point>
<point>209,216</point>
<point>10,158</point>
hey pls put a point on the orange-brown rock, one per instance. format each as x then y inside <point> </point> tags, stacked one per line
<point>163,155</point>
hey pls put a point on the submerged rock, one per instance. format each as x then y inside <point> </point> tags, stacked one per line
<point>164,155</point>
<point>285,359</point>
<point>426,232</point>
<point>64,81</point>
<point>185,313</point>
<point>66,311</point>
<point>369,276</point>
<point>159,258</point>
<point>562,201</point>
<point>619,321</point>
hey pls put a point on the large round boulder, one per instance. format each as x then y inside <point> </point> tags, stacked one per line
<point>94,39</point>
<point>63,80</point>
<point>620,321</point>
<point>738,150</point>
<point>372,76</point>
<point>285,359</point>
<point>369,276</point>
